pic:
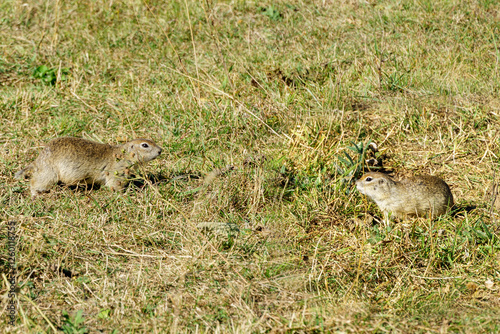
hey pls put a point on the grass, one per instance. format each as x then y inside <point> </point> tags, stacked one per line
<point>264,110</point>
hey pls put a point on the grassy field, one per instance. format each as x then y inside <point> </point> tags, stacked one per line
<point>265,111</point>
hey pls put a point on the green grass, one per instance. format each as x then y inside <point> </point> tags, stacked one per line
<point>281,92</point>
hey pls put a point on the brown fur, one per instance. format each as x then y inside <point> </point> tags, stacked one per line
<point>417,196</point>
<point>76,160</point>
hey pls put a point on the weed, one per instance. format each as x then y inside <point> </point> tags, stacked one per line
<point>50,75</point>
<point>272,13</point>
<point>73,324</point>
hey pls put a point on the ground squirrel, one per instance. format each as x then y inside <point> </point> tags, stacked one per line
<point>417,196</point>
<point>74,160</point>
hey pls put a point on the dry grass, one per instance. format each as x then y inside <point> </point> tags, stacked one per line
<point>255,105</point>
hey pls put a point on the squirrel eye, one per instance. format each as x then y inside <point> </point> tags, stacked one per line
<point>144,145</point>
<point>368,179</point>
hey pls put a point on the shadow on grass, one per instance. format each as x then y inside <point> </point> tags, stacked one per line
<point>459,209</point>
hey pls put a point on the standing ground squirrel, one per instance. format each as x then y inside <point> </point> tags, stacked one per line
<point>73,160</point>
<point>415,196</point>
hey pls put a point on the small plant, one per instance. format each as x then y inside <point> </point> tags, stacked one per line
<point>352,167</point>
<point>104,313</point>
<point>272,13</point>
<point>396,81</point>
<point>73,324</point>
<point>50,75</point>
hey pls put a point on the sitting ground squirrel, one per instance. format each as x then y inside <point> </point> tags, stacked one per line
<point>417,196</point>
<point>73,160</point>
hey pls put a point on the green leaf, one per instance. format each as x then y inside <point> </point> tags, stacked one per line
<point>104,313</point>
